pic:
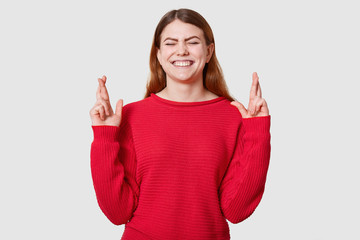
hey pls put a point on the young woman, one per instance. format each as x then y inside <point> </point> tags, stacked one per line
<point>178,163</point>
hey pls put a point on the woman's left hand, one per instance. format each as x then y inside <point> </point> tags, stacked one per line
<point>257,105</point>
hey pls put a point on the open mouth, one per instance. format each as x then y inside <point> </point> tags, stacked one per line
<point>185,63</point>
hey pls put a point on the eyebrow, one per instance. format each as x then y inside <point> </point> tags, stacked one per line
<point>186,39</point>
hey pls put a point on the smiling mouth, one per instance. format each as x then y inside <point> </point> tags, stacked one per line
<point>182,63</point>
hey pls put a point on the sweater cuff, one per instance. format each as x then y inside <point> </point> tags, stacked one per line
<point>106,133</point>
<point>257,124</point>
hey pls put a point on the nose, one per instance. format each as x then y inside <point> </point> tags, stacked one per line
<point>182,49</point>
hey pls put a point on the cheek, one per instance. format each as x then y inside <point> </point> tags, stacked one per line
<point>202,53</point>
<point>164,55</point>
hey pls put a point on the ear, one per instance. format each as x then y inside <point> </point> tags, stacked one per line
<point>158,55</point>
<point>210,50</point>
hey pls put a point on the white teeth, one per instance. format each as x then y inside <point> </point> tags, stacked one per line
<point>182,63</point>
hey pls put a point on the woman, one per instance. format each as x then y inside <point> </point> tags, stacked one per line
<point>178,163</point>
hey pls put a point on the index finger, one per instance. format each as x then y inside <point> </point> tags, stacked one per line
<point>254,85</point>
<point>98,93</point>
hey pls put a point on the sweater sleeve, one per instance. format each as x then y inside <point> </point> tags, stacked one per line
<point>243,185</point>
<point>113,169</point>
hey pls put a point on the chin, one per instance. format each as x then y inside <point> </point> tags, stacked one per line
<point>185,77</point>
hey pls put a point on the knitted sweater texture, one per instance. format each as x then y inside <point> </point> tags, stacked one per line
<point>179,170</point>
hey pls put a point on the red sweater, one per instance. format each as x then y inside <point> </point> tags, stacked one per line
<point>178,170</point>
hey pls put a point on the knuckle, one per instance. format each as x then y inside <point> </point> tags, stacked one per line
<point>103,103</point>
<point>93,109</point>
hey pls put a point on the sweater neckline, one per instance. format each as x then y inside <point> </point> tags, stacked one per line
<point>175,103</point>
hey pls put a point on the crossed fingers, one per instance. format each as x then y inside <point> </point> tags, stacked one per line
<point>102,96</point>
<point>256,102</point>
<point>255,90</point>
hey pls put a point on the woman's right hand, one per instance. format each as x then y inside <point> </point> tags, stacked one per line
<point>102,112</point>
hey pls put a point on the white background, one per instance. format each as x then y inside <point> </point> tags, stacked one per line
<point>305,52</point>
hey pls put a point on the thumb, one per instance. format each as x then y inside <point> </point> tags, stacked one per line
<point>241,108</point>
<point>119,106</point>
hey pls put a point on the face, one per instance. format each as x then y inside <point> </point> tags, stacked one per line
<point>183,51</point>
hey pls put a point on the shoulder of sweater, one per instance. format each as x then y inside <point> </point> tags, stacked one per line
<point>127,112</point>
<point>130,108</point>
<point>230,109</point>
<point>137,104</point>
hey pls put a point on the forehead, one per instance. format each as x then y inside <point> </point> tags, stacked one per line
<point>178,29</point>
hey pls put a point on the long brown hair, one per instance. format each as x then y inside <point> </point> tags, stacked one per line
<point>213,77</point>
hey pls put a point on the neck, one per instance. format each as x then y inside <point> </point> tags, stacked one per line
<point>185,92</point>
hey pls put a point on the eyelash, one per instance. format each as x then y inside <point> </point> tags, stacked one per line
<point>170,44</point>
